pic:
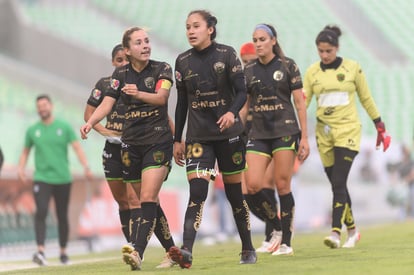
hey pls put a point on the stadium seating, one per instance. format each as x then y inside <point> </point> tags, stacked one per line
<point>297,23</point>
<point>76,23</point>
<point>392,17</point>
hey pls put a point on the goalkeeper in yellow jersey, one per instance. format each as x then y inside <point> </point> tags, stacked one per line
<point>336,83</point>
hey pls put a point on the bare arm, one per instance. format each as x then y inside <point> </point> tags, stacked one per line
<point>22,164</point>
<point>103,109</point>
<point>160,98</point>
<point>299,101</point>
<point>82,158</point>
<point>89,110</point>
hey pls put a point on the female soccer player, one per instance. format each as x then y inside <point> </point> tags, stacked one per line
<point>211,88</point>
<point>272,80</point>
<point>144,87</point>
<point>111,156</point>
<point>123,193</point>
<point>336,82</point>
<point>247,54</point>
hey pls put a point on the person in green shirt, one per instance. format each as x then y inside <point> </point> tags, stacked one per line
<point>50,138</point>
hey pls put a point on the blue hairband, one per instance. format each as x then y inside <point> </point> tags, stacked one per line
<point>265,28</point>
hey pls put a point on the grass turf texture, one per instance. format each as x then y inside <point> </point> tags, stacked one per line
<point>383,249</point>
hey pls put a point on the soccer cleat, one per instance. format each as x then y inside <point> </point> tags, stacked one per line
<point>126,249</point>
<point>275,241</point>
<point>64,259</point>
<point>283,250</point>
<point>167,262</point>
<point>133,259</point>
<point>248,257</point>
<point>332,241</point>
<point>352,240</point>
<point>181,256</point>
<point>263,248</point>
<point>39,258</point>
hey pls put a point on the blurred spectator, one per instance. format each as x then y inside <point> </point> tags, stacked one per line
<point>402,193</point>
<point>367,171</point>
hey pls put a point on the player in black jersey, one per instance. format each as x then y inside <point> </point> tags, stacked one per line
<point>123,193</point>
<point>248,53</point>
<point>272,80</point>
<point>143,85</point>
<point>211,89</point>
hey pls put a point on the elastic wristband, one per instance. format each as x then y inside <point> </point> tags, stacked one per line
<point>377,120</point>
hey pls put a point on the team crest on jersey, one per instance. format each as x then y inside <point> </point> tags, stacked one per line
<point>178,76</point>
<point>115,83</point>
<point>277,75</point>
<point>96,94</point>
<point>329,111</point>
<point>237,158</point>
<point>340,77</point>
<point>219,67</point>
<point>149,82</point>
<point>158,156</point>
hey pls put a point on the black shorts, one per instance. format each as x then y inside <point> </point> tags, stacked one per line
<point>112,162</point>
<point>230,155</point>
<point>269,146</point>
<point>137,158</point>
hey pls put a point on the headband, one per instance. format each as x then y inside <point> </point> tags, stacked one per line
<point>265,28</point>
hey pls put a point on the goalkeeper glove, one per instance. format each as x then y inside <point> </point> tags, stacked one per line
<point>382,136</point>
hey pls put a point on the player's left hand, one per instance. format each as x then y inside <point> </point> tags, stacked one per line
<point>303,150</point>
<point>382,136</point>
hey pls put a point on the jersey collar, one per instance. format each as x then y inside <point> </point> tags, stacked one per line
<point>334,65</point>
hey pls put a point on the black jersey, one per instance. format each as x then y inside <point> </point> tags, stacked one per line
<point>115,119</point>
<point>270,88</point>
<point>144,123</point>
<point>206,81</point>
